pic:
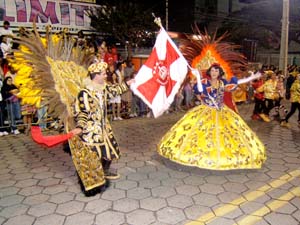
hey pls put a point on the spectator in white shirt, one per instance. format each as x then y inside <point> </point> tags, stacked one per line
<point>6,31</point>
<point>5,47</point>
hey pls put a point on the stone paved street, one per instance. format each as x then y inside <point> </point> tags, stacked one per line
<point>38,185</point>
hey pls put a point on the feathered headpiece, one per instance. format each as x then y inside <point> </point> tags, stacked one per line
<point>56,69</point>
<point>202,50</point>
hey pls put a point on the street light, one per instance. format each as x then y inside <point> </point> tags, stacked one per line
<point>167,15</point>
<point>283,58</point>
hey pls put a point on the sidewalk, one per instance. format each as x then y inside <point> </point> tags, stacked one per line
<point>38,185</point>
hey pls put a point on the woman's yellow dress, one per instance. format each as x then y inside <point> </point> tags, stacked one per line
<point>212,136</point>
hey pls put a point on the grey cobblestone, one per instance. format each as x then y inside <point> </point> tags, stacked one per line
<point>6,183</point>
<point>296,215</point>
<point>110,218</point>
<point>227,197</point>
<point>206,199</point>
<point>193,212</point>
<point>26,183</point>
<point>126,184</point>
<point>80,219</point>
<point>38,186</point>
<point>149,183</point>
<point>70,208</point>
<point>188,190</point>
<point>23,176</point>
<point>235,187</point>
<point>98,206</point>
<point>140,217</point>
<point>153,204</point>
<point>170,215</point>
<point>2,220</point>
<point>62,197</point>
<point>80,197</point>
<point>31,190</point>
<point>137,176</point>
<point>51,190</point>
<point>163,192</point>
<point>8,191</point>
<point>42,209</point>
<point>113,194</point>
<point>18,220</point>
<point>211,189</point>
<point>125,205</point>
<point>13,211</point>
<point>36,199</point>
<point>138,193</point>
<point>180,201</point>
<point>172,182</point>
<point>50,219</point>
<point>11,200</point>
<point>279,219</point>
<point>48,182</point>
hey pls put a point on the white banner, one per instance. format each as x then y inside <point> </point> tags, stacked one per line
<point>60,14</point>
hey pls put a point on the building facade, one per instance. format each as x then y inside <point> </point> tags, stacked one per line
<point>59,14</point>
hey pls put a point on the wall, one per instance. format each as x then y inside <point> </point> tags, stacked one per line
<point>273,58</point>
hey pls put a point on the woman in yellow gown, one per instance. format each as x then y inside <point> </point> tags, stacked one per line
<point>211,135</point>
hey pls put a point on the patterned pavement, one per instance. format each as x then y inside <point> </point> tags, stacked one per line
<point>38,185</point>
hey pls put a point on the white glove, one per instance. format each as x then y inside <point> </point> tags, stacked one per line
<point>198,76</point>
<point>250,78</point>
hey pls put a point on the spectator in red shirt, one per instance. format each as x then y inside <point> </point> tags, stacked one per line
<point>259,99</point>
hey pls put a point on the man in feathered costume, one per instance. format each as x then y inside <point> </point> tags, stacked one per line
<point>74,91</point>
<point>94,129</point>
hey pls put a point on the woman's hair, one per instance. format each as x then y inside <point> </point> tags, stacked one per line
<point>215,66</point>
<point>6,79</point>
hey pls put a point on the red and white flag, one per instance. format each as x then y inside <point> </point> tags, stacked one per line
<point>160,78</point>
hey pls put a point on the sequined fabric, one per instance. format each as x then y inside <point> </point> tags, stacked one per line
<point>87,164</point>
<point>96,141</point>
<point>213,139</point>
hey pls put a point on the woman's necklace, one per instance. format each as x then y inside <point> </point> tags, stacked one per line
<point>215,84</point>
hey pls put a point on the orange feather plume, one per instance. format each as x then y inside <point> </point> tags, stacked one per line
<point>202,50</point>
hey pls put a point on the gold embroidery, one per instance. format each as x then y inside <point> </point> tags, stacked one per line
<point>193,141</point>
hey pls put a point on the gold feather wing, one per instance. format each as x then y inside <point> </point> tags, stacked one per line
<point>54,71</point>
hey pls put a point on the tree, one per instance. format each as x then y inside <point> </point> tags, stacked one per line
<point>129,22</point>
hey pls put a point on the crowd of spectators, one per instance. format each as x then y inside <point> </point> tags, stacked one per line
<point>272,93</point>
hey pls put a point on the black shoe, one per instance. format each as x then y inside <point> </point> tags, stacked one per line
<point>111,176</point>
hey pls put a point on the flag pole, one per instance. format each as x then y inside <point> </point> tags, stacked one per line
<point>157,20</point>
<point>198,75</point>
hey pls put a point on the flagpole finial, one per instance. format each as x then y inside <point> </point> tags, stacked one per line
<point>157,20</point>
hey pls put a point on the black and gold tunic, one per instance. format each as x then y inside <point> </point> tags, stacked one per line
<point>96,140</point>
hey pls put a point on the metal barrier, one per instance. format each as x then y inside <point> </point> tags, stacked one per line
<point>8,120</point>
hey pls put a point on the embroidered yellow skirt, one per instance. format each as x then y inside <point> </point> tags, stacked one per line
<point>87,163</point>
<point>213,139</point>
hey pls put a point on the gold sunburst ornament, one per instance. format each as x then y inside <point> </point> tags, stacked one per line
<point>202,50</point>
